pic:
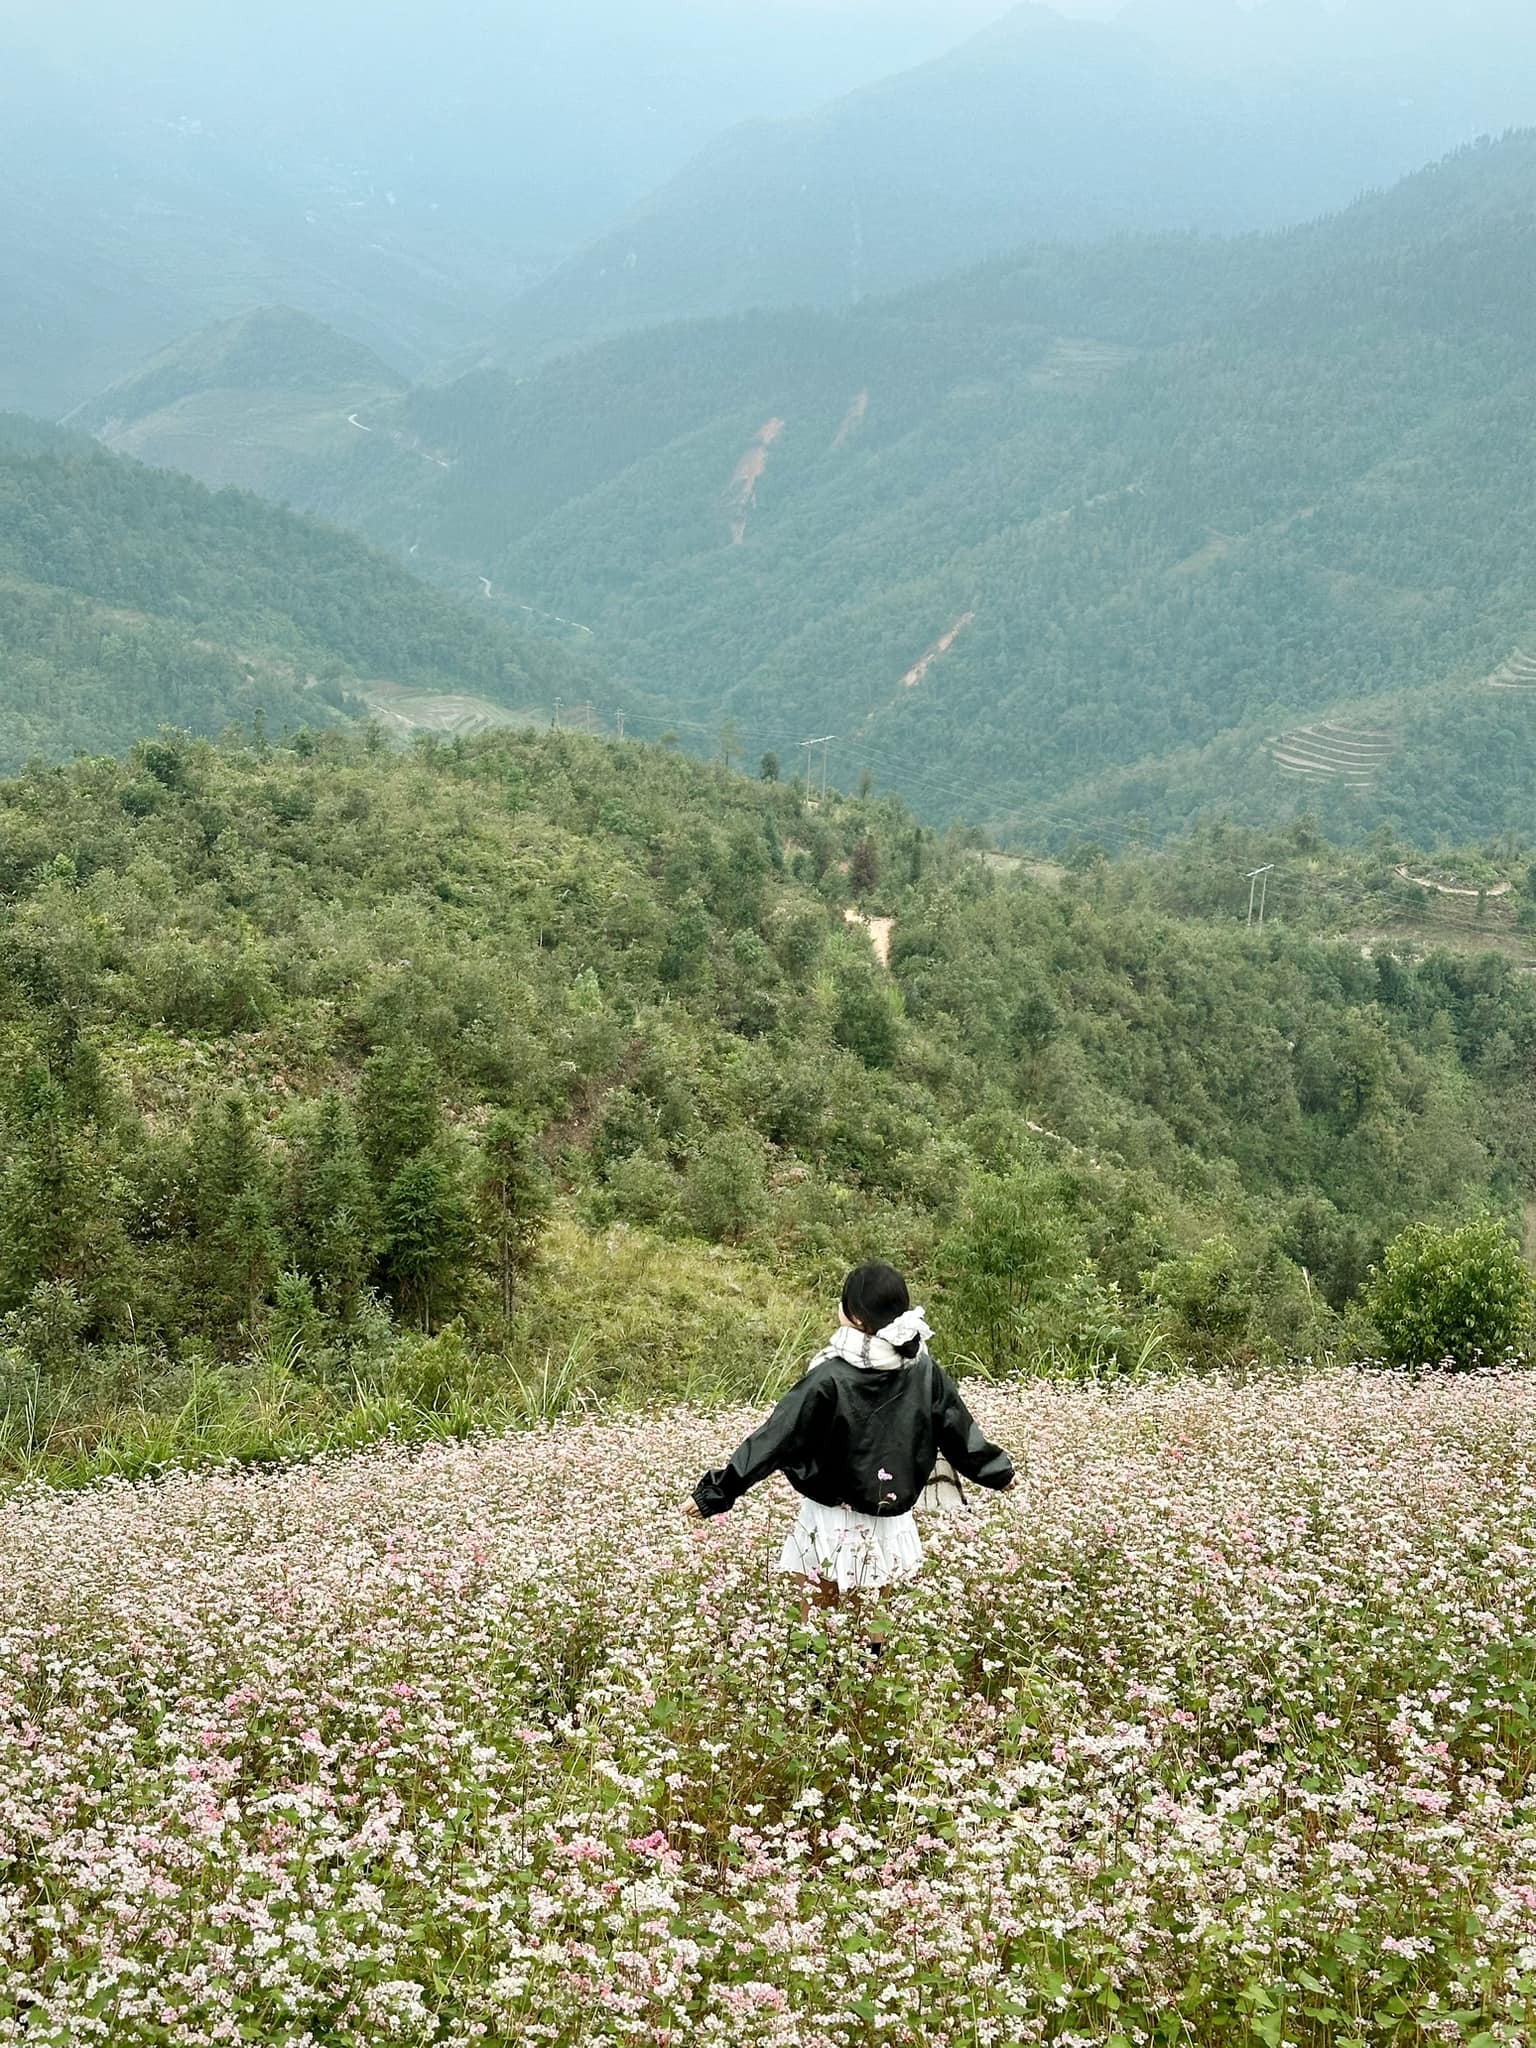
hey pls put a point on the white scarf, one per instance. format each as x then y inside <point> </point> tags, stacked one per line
<point>877,1353</point>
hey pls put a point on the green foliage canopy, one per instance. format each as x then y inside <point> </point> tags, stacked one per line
<point>1462,1296</point>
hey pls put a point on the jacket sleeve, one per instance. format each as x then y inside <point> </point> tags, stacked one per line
<point>960,1438</point>
<point>766,1449</point>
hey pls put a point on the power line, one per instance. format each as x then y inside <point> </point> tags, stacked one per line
<point>1254,878</point>
<point>825,744</point>
<point>892,763</point>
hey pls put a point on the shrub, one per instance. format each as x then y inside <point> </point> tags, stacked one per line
<point>1454,1297</point>
<point>296,1335</point>
<point>725,1191</point>
<point>626,1125</point>
<point>429,1233</point>
<point>1208,1294</point>
<point>865,1023</point>
<point>639,1190</point>
<point>1005,1264</point>
<point>48,1327</point>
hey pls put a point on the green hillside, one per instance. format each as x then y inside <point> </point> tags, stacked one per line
<point>309,1049</point>
<point>1085,542</point>
<point>131,598</point>
<point>1080,541</point>
<point>271,401</point>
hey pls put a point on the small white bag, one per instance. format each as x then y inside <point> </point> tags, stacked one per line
<point>944,1494</point>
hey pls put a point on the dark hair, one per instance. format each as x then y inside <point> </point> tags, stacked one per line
<point>876,1295</point>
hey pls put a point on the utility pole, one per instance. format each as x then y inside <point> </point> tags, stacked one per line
<point>557,714</point>
<point>1258,890</point>
<point>824,743</point>
<point>586,718</point>
<point>621,715</point>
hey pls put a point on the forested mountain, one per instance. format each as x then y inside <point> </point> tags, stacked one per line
<point>130,598</point>
<point>263,402</point>
<point>297,1043</point>
<point>130,220</point>
<point>1038,128</point>
<point>1087,540</point>
<point>271,349</point>
<point>402,173</point>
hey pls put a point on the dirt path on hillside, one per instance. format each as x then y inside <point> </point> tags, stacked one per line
<point>749,473</point>
<point>858,413</point>
<point>1446,889</point>
<point>936,652</point>
<point>408,442</point>
<point>489,589</point>
<point>1056,1138</point>
<point>879,930</point>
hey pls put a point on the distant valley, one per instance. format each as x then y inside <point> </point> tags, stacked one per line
<point>132,600</point>
<point>403,174</point>
<point>1079,542</point>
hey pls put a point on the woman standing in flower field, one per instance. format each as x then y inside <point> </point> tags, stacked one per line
<point>859,1438</point>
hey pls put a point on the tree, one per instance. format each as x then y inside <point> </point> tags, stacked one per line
<point>397,1109</point>
<point>725,1192</point>
<point>1462,1297</point>
<point>337,1232</point>
<point>768,768</point>
<point>428,1232</point>
<point>1014,1247</point>
<point>238,1251</point>
<point>1208,1293</point>
<point>1035,1022</point>
<point>513,1197</point>
<point>799,941</point>
<point>864,866</point>
<point>865,1023</point>
<point>59,1221</point>
<point>686,952</point>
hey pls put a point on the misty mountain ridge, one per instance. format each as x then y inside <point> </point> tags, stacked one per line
<point>162,170</point>
<point>1038,127</point>
<point>354,166</point>
<point>1426,44</point>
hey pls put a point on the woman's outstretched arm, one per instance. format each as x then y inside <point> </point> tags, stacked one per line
<point>960,1437</point>
<point>766,1449</point>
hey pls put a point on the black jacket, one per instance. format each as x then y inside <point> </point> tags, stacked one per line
<point>851,1437</point>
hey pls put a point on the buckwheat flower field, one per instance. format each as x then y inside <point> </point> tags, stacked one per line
<point>1219,1729</point>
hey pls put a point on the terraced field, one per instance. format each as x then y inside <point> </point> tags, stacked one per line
<point>1328,752</point>
<point>1518,673</point>
<point>456,716</point>
<point>1073,366</point>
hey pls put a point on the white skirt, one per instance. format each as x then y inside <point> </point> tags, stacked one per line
<point>856,1553</point>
